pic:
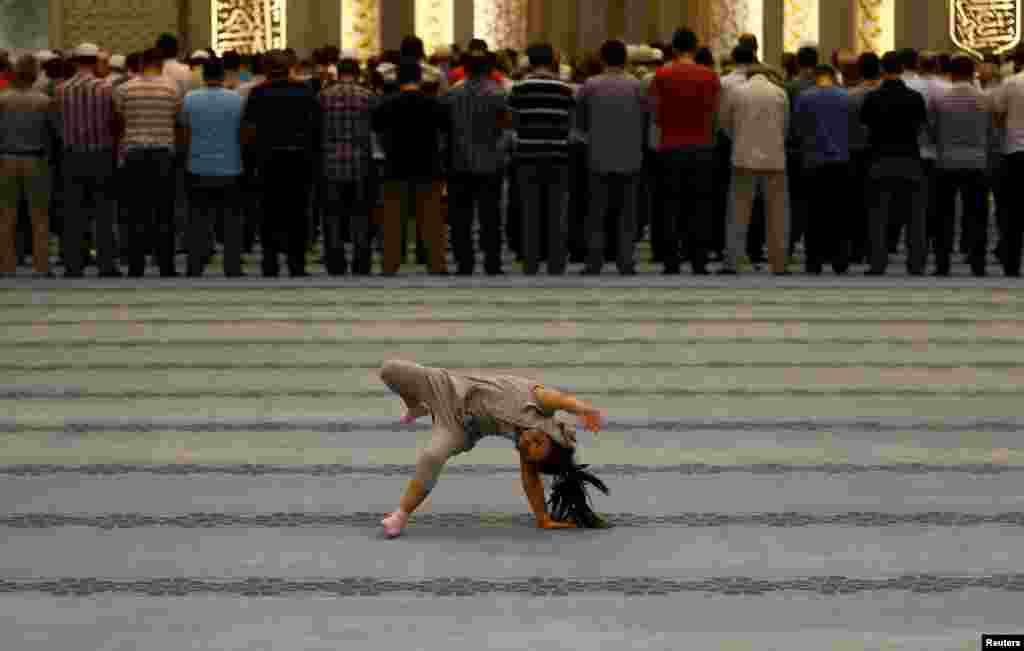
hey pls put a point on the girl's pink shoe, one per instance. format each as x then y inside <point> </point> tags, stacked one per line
<point>394,524</point>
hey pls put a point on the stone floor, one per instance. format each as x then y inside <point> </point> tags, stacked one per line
<point>795,463</point>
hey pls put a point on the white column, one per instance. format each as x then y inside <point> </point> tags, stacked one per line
<point>800,24</point>
<point>360,26</point>
<point>502,23</point>
<point>435,23</point>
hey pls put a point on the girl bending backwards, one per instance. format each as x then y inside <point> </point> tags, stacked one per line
<point>465,408</point>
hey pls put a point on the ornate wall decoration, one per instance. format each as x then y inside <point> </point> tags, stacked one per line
<point>729,19</point>
<point>502,23</point>
<point>875,25</point>
<point>800,23</point>
<point>115,24</point>
<point>435,23</point>
<point>360,26</point>
<point>869,25</point>
<point>24,24</point>
<point>248,26</point>
<point>985,26</point>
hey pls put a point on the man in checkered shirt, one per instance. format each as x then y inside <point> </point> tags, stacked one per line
<point>347,157</point>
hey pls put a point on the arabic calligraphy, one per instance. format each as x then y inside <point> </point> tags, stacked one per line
<point>980,26</point>
<point>249,26</point>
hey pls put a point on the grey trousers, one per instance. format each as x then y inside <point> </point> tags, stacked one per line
<point>624,189</point>
<point>535,179</point>
<point>774,188</point>
<point>89,195</point>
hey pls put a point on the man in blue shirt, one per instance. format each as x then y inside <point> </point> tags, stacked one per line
<point>212,118</point>
<point>822,129</point>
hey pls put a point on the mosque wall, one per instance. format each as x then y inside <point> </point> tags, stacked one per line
<point>571,25</point>
<point>24,24</point>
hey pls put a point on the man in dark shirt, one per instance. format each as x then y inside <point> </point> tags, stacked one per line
<point>283,119</point>
<point>894,115</point>
<point>799,193</point>
<point>479,108</point>
<point>411,126</point>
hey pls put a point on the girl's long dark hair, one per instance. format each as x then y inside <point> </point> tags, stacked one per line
<point>569,501</point>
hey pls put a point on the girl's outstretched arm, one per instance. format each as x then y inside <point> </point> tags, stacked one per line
<point>555,400</point>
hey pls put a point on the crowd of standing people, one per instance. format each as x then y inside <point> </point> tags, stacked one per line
<point>132,159</point>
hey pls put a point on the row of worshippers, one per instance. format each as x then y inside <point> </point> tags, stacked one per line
<point>689,152</point>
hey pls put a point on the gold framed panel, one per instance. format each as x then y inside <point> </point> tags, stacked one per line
<point>982,27</point>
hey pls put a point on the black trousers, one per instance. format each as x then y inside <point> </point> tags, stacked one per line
<point>286,177</point>
<point>859,206</point>
<point>898,182</point>
<point>722,179</point>
<point>828,231</point>
<point>689,204</point>
<point>347,206</point>
<point>471,197</point>
<point>973,190</point>
<point>214,204</point>
<point>150,186</point>
<point>1014,232</point>
<point>899,217</point>
<point>798,198</point>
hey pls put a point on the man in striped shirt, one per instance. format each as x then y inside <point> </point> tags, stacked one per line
<point>480,116</point>
<point>542,107</point>
<point>147,111</point>
<point>87,112</point>
<point>962,125</point>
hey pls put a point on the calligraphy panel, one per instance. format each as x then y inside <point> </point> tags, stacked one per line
<point>248,26</point>
<point>985,26</point>
<point>117,25</point>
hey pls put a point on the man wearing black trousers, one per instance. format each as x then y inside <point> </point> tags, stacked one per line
<point>480,115</point>
<point>895,115</point>
<point>1009,109</point>
<point>963,124</point>
<point>686,97</point>
<point>822,126</point>
<point>285,118</point>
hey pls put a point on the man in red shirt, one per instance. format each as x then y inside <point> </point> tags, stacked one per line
<point>5,70</point>
<point>686,97</point>
<point>476,46</point>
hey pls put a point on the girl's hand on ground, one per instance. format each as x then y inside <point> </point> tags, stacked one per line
<point>554,524</point>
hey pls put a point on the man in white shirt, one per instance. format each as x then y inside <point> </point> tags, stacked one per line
<point>1008,105</point>
<point>755,114</point>
<point>176,71</point>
